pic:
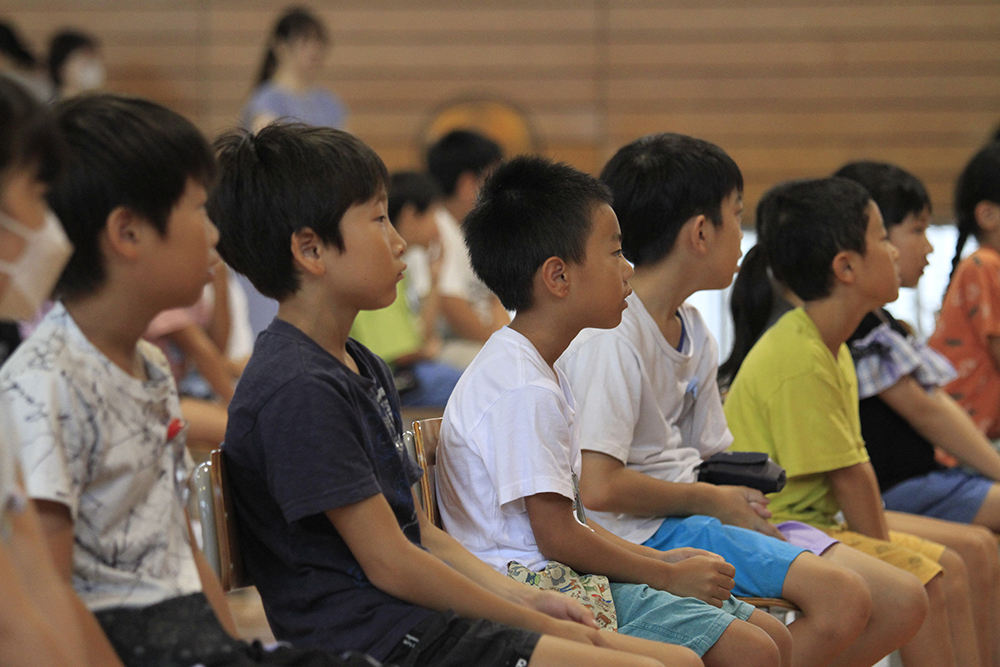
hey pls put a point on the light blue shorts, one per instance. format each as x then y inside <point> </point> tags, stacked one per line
<point>761,562</point>
<point>953,495</point>
<point>651,614</point>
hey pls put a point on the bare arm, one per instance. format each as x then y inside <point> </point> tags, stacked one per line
<point>211,587</point>
<point>856,490</point>
<point>218,328</point>
<point>562,538</point>
<point>607,485</point>
<point>448,549</point>
<point>210,362</point>
<point>400,568</point>
<point>56,528</point>
<point>939,419</point>
<point>466,323</point>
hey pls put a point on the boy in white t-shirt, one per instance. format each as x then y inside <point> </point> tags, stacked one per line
<point>545,240</point>
<point>650,410</point>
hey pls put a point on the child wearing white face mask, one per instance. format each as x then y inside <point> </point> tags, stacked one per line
<point>38,625</point>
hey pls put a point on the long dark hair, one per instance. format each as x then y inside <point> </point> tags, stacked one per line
<point>296,22</point>
<point>980,181</point>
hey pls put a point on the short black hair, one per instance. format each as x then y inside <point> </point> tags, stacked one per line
<point>660,182</point>
<point>28,133</point>
<point>122,152</point>
<point>457,152</point>
<point>807,223</point>
<point>63,45</point>
<point>529,209</point>
<point>411,187</point>
<point>897,192</point>
<point>283,179</point>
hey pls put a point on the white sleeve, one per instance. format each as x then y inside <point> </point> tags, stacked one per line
<point>455,267</point>
<point>45,427</point>
<point>606,378</point>
<point>525,440</point>
<point>704,426</point>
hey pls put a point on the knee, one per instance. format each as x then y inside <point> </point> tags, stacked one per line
<point>763,650</point>
<point>686,658</point>
<point>911,603</point>
<point>956,575</point>
<point>843,614</point>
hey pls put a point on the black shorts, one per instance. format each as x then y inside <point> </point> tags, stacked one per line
<point>445,640</point>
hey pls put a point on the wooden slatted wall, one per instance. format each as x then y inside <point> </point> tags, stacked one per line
<point>789,87</point>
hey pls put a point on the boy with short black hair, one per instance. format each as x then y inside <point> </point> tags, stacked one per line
<point>94,409</point>
<point>544,238</point>
<point>795,397</point>
<point>459,161</point>
<point>320,478</point>
<point>651,411</point>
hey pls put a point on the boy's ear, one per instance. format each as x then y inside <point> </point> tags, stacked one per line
<point>987,215</point>
<point>843,266</point>
<point>697,232</point>
<point>124,232</point>
<point>307,251</point>
<point>553,276</point>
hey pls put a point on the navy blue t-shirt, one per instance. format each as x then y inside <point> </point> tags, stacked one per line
<point>306,435</point>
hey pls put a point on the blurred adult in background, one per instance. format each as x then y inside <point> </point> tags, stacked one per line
<point>19,64</point>
<point>75,63</point>
<point>286,86</point>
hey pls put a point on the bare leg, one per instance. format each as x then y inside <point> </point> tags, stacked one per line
<point>618,650</point>
<point>977,547</point>
<point>898,606</point>
<point>743,645</point>
<point>931,646</point>
<point>825,629</point>
<point>778,633</point>
<point>989,513</point>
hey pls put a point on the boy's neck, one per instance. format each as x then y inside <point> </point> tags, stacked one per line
<point>113,323</point>
<point>547,332</point>
<point>329,327</point>
<point>663,288</point>
<point>836,317</point>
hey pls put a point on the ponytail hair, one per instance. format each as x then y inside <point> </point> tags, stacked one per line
<point>295,23</point>
<point>751,302</point>
<point>979,181</point>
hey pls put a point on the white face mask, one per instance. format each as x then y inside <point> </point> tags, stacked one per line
<point>34,273</point>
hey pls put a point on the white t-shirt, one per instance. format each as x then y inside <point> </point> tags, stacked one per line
<point>643,402</point>
<point>508,433</point>
<point>457,279</point>
<point>12,498</point>
<point>93,438</point>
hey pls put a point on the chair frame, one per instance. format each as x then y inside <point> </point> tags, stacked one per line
<point>218,526</point>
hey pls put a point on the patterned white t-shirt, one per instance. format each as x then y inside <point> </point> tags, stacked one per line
<point>95,439</point>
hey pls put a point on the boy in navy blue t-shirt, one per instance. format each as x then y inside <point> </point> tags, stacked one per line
<point>320,479</point>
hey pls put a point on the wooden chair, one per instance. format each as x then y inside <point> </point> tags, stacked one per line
<point>426,436</point>
<point>218,527</point>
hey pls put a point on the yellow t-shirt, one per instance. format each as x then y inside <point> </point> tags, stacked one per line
<point>793,400</point>
<point>391,332</point>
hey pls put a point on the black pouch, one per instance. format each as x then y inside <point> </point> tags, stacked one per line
<point>753,469</point>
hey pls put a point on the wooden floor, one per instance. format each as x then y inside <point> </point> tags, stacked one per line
<point>249,615</point>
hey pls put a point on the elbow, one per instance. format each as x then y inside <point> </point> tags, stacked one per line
<point>597,496</point>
